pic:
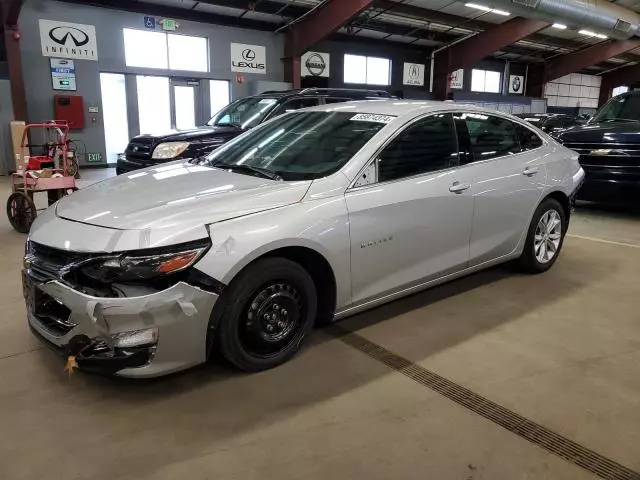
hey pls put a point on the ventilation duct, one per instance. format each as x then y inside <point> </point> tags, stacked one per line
<point>598,15</point>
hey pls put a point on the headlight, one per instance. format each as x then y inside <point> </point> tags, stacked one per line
<point>144,265</point>
<point>169,150</point>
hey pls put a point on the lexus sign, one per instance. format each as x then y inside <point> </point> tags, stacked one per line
<point>68,40</point>
<point>248,58</point>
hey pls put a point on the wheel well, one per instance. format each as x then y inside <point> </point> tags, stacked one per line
<point>321,272</point>
<point>565,203</point>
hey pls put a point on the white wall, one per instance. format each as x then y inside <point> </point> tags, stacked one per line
<point>575,90</point>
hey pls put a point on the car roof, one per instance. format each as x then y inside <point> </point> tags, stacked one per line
<point>356,93</point>
<point>401,108</point>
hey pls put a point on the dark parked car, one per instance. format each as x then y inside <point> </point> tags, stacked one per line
<point>550,122</point>
<point>234,119</point>
<point>609,148</point>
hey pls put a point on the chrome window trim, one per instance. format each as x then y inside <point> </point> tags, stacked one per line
<point>373,159</point>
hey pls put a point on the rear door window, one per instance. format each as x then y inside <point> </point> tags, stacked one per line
<point>490,136</point>
<point>529,140</point>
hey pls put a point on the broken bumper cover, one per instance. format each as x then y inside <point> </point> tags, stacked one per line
<point>138,337</point>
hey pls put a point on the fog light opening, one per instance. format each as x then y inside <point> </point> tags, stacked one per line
<point>135,338</point>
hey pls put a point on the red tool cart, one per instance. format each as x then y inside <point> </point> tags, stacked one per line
<point>47,167</point>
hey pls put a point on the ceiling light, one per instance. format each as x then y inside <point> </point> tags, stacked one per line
<point>589,33</point>
<point>559,26</point>
<point>487,9</point>
<point>477,7</point>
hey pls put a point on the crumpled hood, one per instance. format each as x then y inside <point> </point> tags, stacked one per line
<point>176,195</point>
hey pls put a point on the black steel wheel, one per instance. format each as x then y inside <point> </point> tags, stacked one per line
<point>21,211</point>
<point>267,312</point>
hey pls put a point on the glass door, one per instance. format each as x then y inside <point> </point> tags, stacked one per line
<point>114,111</point>
<point>154,104</point>
<point>185,96</point>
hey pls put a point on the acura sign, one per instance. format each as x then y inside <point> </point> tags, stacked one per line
<point>413,74</point>
<point>248,58</point>
<point>68,40</point>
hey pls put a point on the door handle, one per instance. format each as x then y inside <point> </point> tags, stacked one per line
<point>530,171</point>
<point>458,187</point>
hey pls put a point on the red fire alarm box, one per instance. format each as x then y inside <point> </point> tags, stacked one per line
<point>69,108</point>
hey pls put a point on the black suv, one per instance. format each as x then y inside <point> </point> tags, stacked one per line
<point>609,148</point>
<point>550,122</point>
<point>237,117</point>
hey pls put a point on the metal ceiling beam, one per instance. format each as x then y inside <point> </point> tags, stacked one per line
<point>628,76</point>
<point>290,10</point>
<point>318,24</point>
<point>177,13</point>
<point>322,22</point>
<point>576,61</point>
<point>466,52</point>
<point>565,64</point>
<point>11,11</point>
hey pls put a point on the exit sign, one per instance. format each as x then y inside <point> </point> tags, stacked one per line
<point>94,157</point>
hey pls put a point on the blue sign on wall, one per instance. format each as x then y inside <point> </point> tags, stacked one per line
<point>150,22</point>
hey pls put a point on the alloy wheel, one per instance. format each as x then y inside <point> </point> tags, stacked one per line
<point>548,236</point>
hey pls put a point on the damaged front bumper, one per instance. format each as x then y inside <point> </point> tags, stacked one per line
<point>143,336</point>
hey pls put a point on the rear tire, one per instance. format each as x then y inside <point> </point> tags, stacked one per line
<point>544,238</point>
<point>268,310</point>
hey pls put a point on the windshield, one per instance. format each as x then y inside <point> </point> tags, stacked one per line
<point>299,146</point>
<point>245,113</point>
<point>619,108</point>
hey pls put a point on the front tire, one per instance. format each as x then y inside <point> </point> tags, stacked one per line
<point>268,310</point>
<point>544,238</point>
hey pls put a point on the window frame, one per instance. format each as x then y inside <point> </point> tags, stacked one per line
<point>500,83</point>
<point>373,159</point>
<point>366,57</point>
<point>392,138</point>
<point>503,117</point>
<point>168,58</point>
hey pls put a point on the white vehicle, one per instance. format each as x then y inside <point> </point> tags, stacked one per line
<point>310,217</point>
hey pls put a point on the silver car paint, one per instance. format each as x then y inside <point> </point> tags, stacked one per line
<point>415,231</point>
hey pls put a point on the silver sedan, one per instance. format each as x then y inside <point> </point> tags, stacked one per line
<point>308,218</point>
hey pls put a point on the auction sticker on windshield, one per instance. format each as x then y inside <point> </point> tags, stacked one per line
<point>372,117</point>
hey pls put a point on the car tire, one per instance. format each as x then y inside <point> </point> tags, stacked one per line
<point>544,238</point>
<point>268,310</point>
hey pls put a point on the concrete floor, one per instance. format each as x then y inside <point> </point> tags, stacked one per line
<point>561,349</point>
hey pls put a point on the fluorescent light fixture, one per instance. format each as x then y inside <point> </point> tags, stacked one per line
<point>487,9</point>
<point>559,26</point>
<point>589,33</point>
<point>477,7</point>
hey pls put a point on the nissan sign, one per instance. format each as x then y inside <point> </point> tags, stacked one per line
<point>68,40</point>
<point>248,58</point>
<point>314,64</point>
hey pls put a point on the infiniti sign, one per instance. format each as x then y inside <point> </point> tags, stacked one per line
<point>68,40</point>
<point>62,35</point>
